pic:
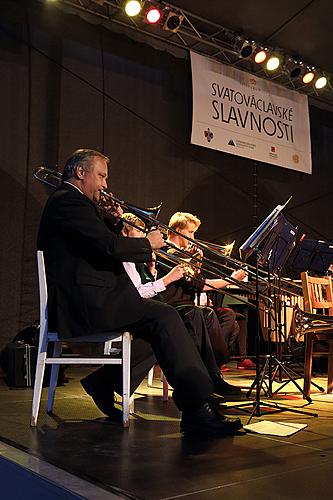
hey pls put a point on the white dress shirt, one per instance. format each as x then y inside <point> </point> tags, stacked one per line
<point>146,290</point>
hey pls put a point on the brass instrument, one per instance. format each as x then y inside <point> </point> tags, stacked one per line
<point>305,322</point>
<point>47,176</point>
<point>149,217</point>
<point>225,250</point>
<point>192,265</point>
<point>53,178</point>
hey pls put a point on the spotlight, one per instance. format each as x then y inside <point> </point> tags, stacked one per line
<point>308,76</point>
<point>273,63</point>
<point>173,22</point>
<point>321,82</point>
<point>260,56</point>
<point>295,72</point>
<point>246,49</point>
<point>133,8</point>
<point>293,68</point>
<point>153,15</point>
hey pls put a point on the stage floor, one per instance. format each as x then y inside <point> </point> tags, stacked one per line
<point>152,460</point>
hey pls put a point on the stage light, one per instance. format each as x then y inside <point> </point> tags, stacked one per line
<point>293,67</point>
<point>173,22</point>
<point>246,49</point>
<point>295,72</point>
<point>153,15</point>
<point>273,63</point>
<point>321,82</point>
<point>308,76</point>
<point>133,8</point>
<point>260,56</point>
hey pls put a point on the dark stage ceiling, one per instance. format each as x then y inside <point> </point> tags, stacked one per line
<point>301,29</point>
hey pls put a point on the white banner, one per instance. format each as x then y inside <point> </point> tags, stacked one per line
<point>236,112</point>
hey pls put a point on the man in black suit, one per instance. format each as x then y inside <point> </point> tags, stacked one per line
<point>90,292</point>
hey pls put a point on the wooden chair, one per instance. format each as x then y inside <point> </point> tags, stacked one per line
<point>318,299</point>
<point>45,336</point>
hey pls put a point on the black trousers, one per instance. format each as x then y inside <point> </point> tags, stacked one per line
<point>161,334</point>
<point>218,332</point>
<point>195,323</point>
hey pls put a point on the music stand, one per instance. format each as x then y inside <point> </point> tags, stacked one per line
<point>257,237</point>
<point>311,255</point>
<point>278,245</point>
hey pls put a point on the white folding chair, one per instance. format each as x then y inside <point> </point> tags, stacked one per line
<point>56,359</point>
<point>150,378</point>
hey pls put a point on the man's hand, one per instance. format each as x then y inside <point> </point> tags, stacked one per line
<point>156,240</point>
<point>239,275</point>
<point>111,208</point>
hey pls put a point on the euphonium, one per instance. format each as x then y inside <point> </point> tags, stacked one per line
<point>305,322</point>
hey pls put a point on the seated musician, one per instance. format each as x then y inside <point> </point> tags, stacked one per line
<point>144,279</point>
<point>224,329</point>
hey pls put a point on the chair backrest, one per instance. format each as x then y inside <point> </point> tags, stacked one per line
<point>43,313</point>
<point>317,294</point>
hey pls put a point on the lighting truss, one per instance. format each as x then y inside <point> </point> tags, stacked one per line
<point>195,33</point>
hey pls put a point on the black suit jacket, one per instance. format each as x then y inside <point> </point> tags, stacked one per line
<point>89,290</point>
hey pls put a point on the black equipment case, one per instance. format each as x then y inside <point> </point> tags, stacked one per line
<point>21,364</point>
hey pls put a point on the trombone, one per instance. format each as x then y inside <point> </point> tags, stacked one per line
<point>53,178</point>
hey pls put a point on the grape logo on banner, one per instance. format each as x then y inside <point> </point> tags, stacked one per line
<point>249,116</point>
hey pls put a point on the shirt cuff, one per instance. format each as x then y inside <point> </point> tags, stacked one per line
<point>158,285</point>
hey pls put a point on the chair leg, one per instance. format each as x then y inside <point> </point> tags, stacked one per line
<point>126,365</point>
<point>131,405</point>
<point>165,389</point>
<point>330,368</point>
<point>38,386</point>
<point>107,347</point>
<point>53,377</point>
<point>150,377</point>
<point>308,363</point>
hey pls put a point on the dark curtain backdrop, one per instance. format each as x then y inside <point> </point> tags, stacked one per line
<point>66,83</point>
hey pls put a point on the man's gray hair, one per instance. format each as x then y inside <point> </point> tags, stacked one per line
<point>83,158</point>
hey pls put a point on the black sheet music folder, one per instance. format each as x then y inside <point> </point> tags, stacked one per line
<point>278,245</point>
<point>311,255</point>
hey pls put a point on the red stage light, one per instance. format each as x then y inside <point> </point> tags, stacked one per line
<point>260,56</point>
<point>153,15</point>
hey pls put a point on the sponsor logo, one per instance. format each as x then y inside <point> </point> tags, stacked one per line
<point>208,135</point>
<point>273,154</point>
<point>239,143</point>
<point>295,158</point>
<point>250,83</point>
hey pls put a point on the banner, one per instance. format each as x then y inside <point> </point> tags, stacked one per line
<point>241,114</point>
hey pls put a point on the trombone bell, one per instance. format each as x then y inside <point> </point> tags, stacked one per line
<point>304,322</point>
<point>224,250</point>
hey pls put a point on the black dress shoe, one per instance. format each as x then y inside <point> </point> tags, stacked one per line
<point>102,399</point>
<point>222,388</point>
<point>206,420</point>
